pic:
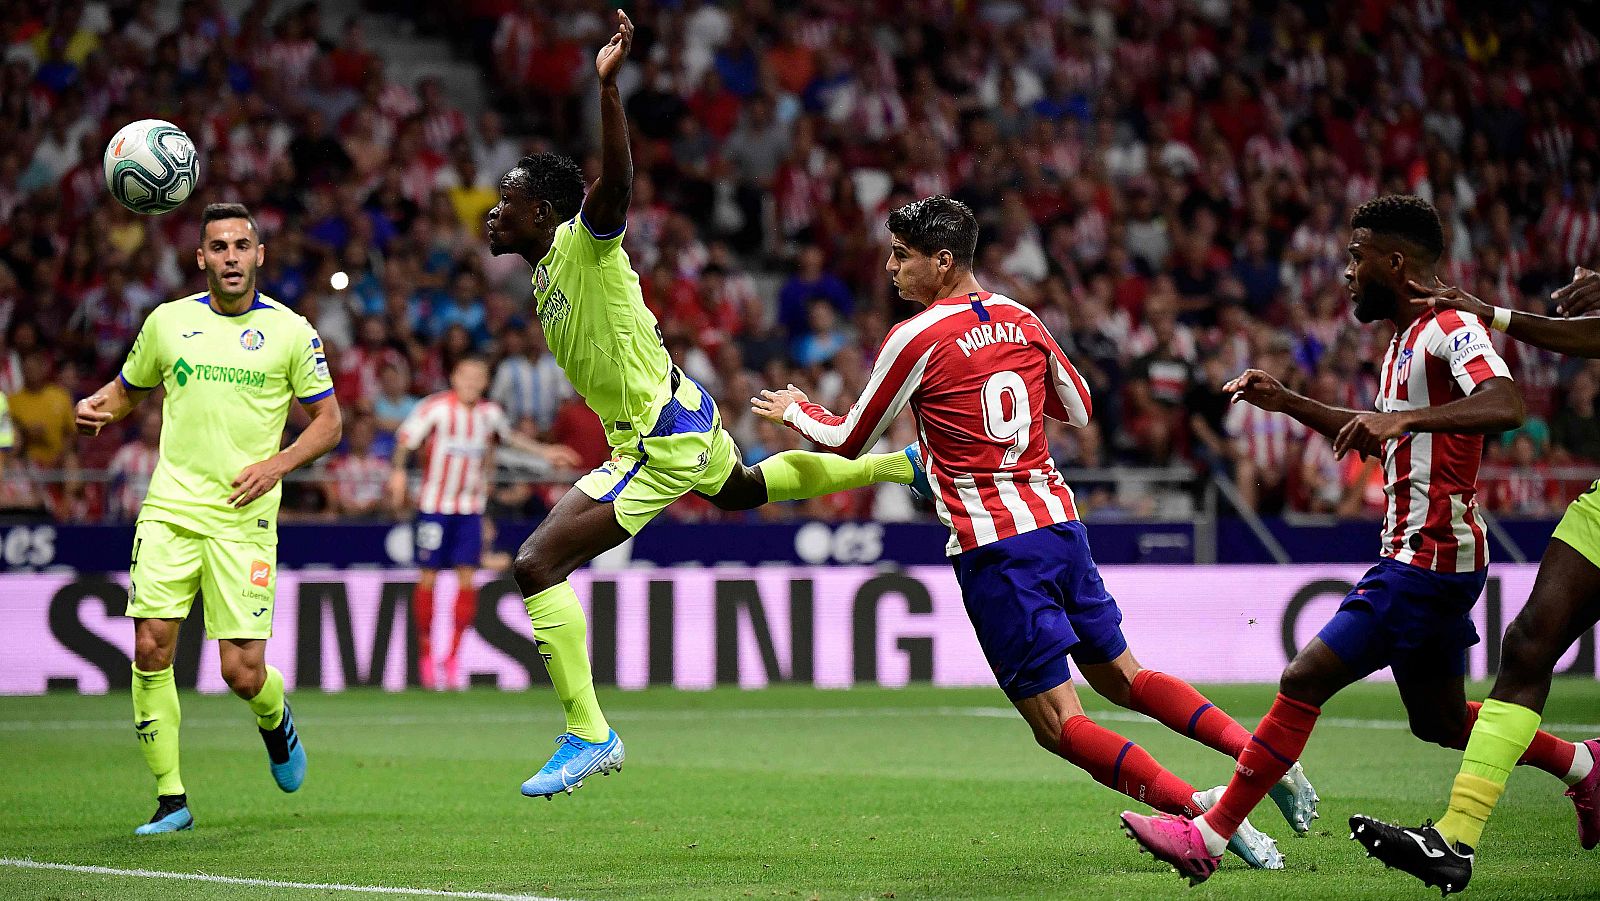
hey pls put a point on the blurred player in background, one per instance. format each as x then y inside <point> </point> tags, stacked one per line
<point>460,428</point>
<point>1564,604</point>
<point>230,361</point>
<point>1443,388</point>
<point>981,373</point>
<point>664,430</point>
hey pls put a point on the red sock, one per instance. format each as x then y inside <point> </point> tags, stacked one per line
<point>1175,704</point>
<point>1274,747</point>
<point>422,619</point>
<point>1116,762</point>
<point>466,612</point>
<point>1547,752</point>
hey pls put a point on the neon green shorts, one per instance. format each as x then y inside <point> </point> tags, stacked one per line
<point>1580,525</point>
<point>238,580</point>
<point>687,451</point>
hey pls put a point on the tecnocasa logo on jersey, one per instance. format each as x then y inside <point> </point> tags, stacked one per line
<point>183,371</point>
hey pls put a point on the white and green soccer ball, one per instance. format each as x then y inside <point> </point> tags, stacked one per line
<point>151,166</point>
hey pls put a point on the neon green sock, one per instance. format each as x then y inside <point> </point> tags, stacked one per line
<point>562,634</point>
<point>155,720</point>
<point>267,705</point>
<point>1499,739</point>
<point>797,475</point>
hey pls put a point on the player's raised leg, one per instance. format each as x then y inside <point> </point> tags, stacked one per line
<point>575,532</point>
<point>156,718</point>
<point>798,475</point>
<point>1177,705</point>
<point>1061,727</point>
<point>1194,846</point>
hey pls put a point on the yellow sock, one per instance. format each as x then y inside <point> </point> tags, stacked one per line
<point>267,705</point>
<point>797,475</point>
<point>155,721</point>
<point>1472,799</point>
<point>562,635</point>
<point>1499,739</point>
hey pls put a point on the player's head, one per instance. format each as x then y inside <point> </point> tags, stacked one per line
<point>543,191</point>
<point>469,378</point>
<point>230,250</point>
<point>932,239</point>
<point>1393,239</point>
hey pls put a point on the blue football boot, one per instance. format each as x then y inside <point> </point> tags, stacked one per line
<point>286,757</point>
<point>919,483</point>
<point>172,815</point>
<point>574,761</point>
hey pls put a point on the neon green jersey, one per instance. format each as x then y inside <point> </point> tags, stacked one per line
<point>229,380</point>
<point>600,332</point>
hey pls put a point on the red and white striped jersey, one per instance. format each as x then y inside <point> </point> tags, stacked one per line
<point>459,439</point>
<point>981,373</point>
<point>1431,478</point>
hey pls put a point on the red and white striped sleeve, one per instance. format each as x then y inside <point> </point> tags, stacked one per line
<point>499,422</point>
<point>895,376</point>
<point>423,419</point>
<point>1464,343</point>
<point>1070,402</point>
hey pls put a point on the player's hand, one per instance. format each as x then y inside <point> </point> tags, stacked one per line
<point>1580,298</point>
<point>1444,297</point>
<point>1365,434</point>
<point>1259,389</point>
<point>608,62</point>
<point>90,419</point>
<point>255,480</point>
<point>396,489</point>
<point>772,404</point>
<point>560,456</point>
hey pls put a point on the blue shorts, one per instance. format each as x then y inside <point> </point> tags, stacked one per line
<point>1409,619</point>
<point>449,539</point>
<point>1033,599</point>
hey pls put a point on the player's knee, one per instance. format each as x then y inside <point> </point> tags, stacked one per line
<point>1439,731</point>
<point>1524,653</point>
<point>744,490</point>
<point>244,677</point>
<point>149,654</point>
<point>1302,681</point>
<point>533,570</point>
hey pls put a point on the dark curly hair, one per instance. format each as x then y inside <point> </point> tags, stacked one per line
<point>937,223</point>
<point>1403,216</point>
<point>555,178</point>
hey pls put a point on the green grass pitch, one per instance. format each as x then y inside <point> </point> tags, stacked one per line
<point>783,793</point>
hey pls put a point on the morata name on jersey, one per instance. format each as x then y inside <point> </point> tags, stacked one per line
<point>981,336</point>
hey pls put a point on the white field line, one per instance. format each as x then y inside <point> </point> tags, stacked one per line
<point>25,864</point>
<point>490,719</point>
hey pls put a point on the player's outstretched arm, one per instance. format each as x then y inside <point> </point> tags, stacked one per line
<point>1261,389</point>
<point>605,209</point>
<point>1566,334</point>
<point>319,437</point>
<point>106,406</point>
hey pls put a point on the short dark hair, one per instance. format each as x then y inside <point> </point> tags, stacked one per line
<point>937,223</point>
<point>218,211</point>
<point>554,178</point>
<point>1403,216</point>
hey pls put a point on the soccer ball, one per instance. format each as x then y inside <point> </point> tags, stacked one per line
<point>151,166</point>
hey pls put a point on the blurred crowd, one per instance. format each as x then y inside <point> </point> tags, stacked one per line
<point>1167,182</point>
